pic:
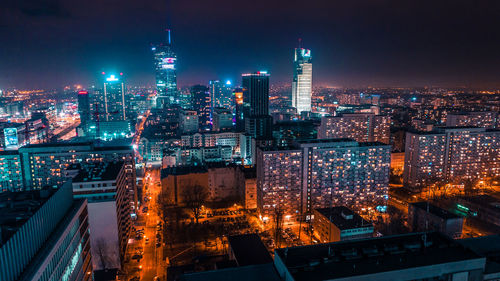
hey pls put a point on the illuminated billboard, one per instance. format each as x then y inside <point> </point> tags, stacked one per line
<point>10,135</point>
<point>306,52</point>
<point>168,63</point>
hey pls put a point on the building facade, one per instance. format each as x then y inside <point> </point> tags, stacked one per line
<point>450,154</point>
<point>11,177</point>
<point>361,127</point>
<point>482,119</point>
<point>320,174</point>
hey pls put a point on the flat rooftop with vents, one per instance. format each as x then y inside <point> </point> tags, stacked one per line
<point>414,256</point>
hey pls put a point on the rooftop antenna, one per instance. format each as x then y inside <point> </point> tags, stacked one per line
<point>300,43</point>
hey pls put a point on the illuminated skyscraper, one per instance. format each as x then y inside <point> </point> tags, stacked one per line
<point>114,98</point>
<point>166,78</point>
<point>302,80</point>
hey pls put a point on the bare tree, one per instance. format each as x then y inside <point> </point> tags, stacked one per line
<point>469,187</point>
<point>194,197</point>
<point>278,224</point>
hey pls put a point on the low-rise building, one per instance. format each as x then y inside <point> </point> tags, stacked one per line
<point>340,224</point>
<point>487,208</point>
<point>248,249</point>
<point>247,183</point>
<point>222,119</point>
<point>176,181</point>
<point>425,216</point>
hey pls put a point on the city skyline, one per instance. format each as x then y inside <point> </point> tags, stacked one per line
<point>192,140</point>
<point>53,44</point>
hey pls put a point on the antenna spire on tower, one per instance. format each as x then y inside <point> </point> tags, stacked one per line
<point>300,43</point>
<point>168,36</point>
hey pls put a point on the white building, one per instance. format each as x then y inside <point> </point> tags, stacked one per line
<point>104,185</point>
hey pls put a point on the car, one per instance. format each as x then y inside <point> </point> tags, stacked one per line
<point>136,257</point>
<point>147,240</point>
<point>158,245</point>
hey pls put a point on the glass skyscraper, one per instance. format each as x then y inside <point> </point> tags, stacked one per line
<point>166,78</point>
<point>302,80</point>
<point>114,98</point>
<point>258,122</point>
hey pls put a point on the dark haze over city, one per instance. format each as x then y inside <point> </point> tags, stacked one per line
<point>51,43</point>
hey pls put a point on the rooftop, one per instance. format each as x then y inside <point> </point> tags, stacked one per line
<point>371,256</point>
<point>17,207</point>
<point>344,218</point>
<point>435,210</point>
<point>248,249</point>
<point>98,171</point>
<point>182,170</point>
<point>262,272</point>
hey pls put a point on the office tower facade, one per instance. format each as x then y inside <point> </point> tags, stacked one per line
<point>222,119</point>
<point>482,119</point>
<point>302,80</point>
<point>114,98</point>
<point>221,94</point>
<point>104,185</point>
<point>320,174</point>
<point>200,102</point>
<point>165,61</point>
<point>256,93</point>
<point>361,127</point>
<point>450,154</point>
<point>256,105</point>
<point>45,236</point>
<point>84,109</point>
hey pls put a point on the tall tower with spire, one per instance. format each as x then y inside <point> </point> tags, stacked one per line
<point>165,69</point>
<point>302,79</point>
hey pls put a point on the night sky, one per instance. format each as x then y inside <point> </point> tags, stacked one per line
<point>50,43</point>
